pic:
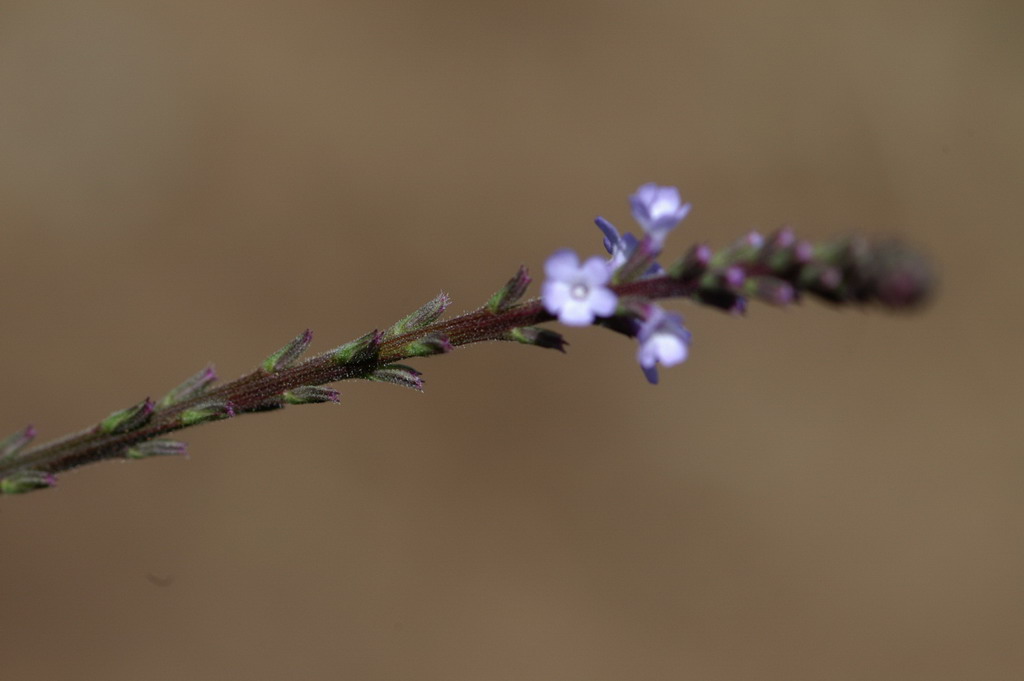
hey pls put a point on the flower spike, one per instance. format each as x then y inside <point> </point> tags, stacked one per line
<point>620,294</point>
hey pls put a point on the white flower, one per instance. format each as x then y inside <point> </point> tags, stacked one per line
<point>663,340</point>
<point>577,293</point>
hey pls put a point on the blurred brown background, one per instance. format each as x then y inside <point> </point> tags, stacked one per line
<point>814,495</point>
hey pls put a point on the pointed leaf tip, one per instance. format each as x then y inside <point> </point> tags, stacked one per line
<point>541,337</point>
<point>159,447</point>
<point>26,481</point>
<point>425,315</point>
<point>361,350</point>
<point>399,374</point>
<point>127,420</point>
<point>289,354</point>
<point>193,386</point>
<point>215,410</point>
<point>311,394</point>
<point>511,292</point>
<point>428,344</point>
<point>14,443</point>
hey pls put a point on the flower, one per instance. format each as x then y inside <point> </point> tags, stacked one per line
<point>658,210</point>
<point>663,339</point>
<point>577,293</point>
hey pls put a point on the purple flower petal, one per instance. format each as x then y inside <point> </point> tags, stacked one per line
<point>658,209</point>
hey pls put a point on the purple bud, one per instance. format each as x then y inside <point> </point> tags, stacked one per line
<point>782,239</point>
<point>692,265</point>
<point>753,240</point>
<point>733,277</point>
<point>830,278</point>
<point>771,290</point>
<point>804,252</point>
<point>611,235</point>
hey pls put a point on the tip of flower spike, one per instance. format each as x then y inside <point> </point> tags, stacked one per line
<point>900,277</point>
<point>852,270</point>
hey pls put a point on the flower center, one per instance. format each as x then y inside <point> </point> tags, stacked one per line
<point>579,291</point>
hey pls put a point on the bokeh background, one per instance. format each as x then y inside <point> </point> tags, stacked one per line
<point>815,494</point>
